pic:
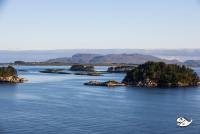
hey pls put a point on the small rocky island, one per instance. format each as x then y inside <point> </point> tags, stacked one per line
<point>109,83</point>
<point>79,67</point>
<point>89,73</point>
<point>54,71</point>
<point>88,70</point>
<point>159,74</point>
<point>9,75</point>
<point>120,69</point>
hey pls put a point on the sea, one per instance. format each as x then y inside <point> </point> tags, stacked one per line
<point>62,104</point>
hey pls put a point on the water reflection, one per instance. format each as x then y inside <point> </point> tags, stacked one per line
<point>7,91</point>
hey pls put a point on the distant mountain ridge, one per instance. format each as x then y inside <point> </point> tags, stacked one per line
<point>43,55</point>
<point>124,58</point>
<point>84,58</point>
<point>77,58</point>
<point>109,59</point>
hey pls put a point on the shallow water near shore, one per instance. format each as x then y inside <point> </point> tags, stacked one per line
<point>60,103</point>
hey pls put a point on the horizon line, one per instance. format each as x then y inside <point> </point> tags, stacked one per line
<point>100,49</point>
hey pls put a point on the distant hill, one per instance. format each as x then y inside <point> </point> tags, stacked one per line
<point>60,60</point>
<point>43,55</point>
<point>110,58</point>
<point>84,58</point>
<point>124,58</point>
<point>77,58</point>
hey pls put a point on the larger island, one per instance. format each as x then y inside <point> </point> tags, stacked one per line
<point>159,74</point>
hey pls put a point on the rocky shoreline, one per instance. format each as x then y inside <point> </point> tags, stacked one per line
<point>153,84</point>
<point>147,84</point>
<point>12,79</point>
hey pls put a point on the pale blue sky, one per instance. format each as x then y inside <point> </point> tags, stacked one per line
<point>71,24</point>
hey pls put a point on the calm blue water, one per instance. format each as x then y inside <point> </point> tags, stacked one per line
<point>61,104</point>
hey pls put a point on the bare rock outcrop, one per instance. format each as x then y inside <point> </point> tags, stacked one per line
<point>109,83</point>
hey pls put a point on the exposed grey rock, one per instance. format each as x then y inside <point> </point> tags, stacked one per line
<point>109,83</point>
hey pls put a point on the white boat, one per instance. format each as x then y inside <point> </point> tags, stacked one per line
<point>183,122</point>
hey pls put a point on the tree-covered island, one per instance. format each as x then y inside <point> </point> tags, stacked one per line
<point>9,75</point>
<point>159,74</point>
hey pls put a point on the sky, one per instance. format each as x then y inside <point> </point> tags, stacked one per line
<point>99,24</point>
